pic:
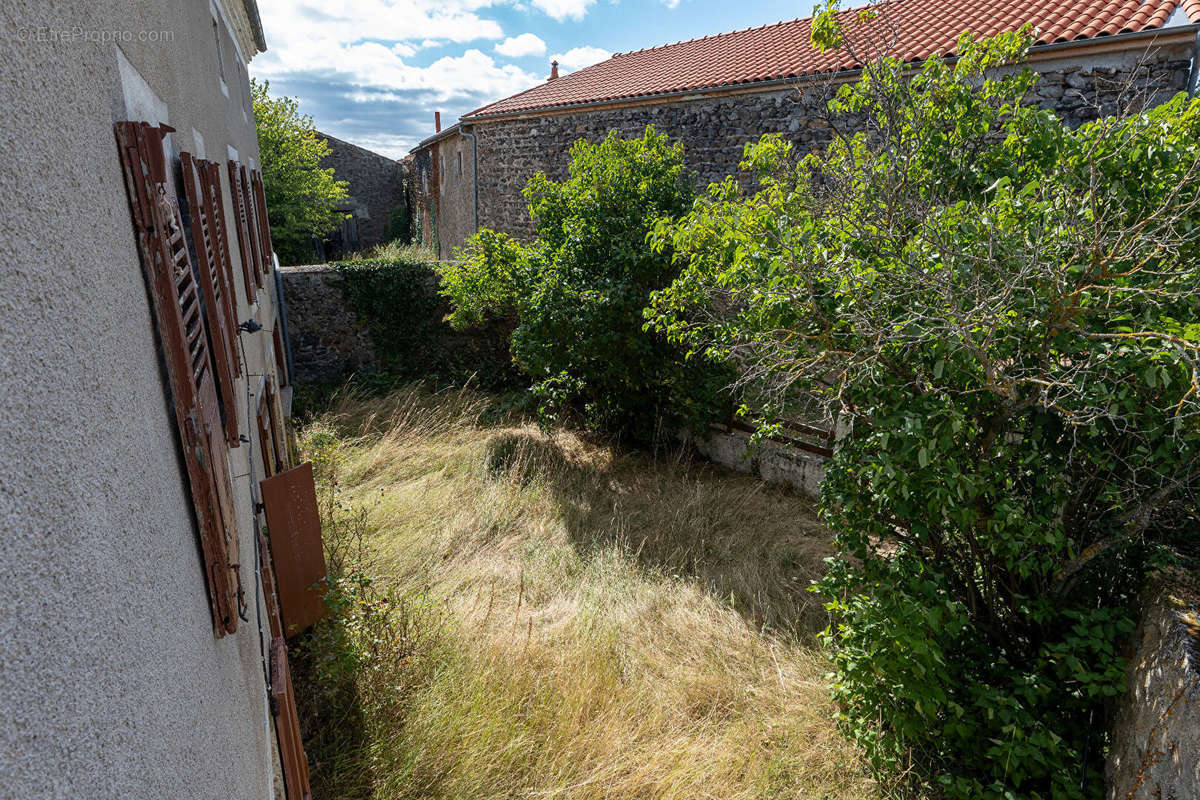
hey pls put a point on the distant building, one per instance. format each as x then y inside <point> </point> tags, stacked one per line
<point>144,382</point>
<point>377,209</point>
<point>716,93</point>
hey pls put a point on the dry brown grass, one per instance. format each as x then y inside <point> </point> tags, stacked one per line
<point>612,625</point>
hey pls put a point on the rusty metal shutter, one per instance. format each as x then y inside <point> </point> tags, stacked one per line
<point>283,700</point>
<point>298,556</point>
<point>213,288</point>
<point>246,245</point>
<point>182,336</point>
<point>264,224</point>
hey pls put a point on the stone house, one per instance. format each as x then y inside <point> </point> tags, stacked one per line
<point>716,93</point>
<point>144,383</point>
<point>376,195</point>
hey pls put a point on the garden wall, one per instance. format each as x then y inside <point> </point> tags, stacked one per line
<point>329,341</point>
<point>387,319</point>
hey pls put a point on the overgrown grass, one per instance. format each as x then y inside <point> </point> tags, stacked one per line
<point>525,614</point>
<point>394,250</point>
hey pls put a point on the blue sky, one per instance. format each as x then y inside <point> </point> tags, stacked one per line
<point>374,71</point>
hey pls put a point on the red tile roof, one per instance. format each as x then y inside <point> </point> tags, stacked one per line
<point>923,28</point>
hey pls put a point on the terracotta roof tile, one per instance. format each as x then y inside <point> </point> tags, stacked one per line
<point>922,28</point>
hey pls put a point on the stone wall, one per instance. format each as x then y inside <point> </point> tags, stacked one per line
<point>376,189</point>
<point>1156,739</point>
<point>395,325</point>
<point>328,341</point>
<point>770,461</point>
<point>456,196</point>
<point>714,130</point>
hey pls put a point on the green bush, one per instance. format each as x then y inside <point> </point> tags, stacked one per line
<point>302,198</point>
<point>576,295</point>
<point>1003,311</point>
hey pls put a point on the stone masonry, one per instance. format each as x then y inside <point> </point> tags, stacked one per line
<point>376,188</point>
<point>714,130</point>
<point>328,340</point>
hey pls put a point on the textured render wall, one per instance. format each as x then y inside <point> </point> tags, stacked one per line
<point>111,682</point>
<point>714,130</point>
<point>1156,740</point>
<point>376,187</point>
<point>328,340</point>
<point>456,207</point>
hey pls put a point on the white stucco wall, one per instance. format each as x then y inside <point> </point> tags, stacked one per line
<point>112,684</point>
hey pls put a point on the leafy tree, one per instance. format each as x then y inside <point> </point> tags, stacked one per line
<point>1003,311</point>
<point>577,293</point>
<point>302,198</point>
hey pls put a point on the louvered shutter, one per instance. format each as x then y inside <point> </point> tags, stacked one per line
<point>214,291</point>
<point>181,329</point>
<point>252,222</point>
<point>245,243</point>
<point>266,438</point>
<point>276,423</point>
<point>264,224</point>
<point>210,174</point>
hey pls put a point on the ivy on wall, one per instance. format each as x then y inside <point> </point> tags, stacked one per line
<point>398,300</point>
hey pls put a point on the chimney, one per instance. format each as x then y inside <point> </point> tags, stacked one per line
<point>553,70</point>
<point>437,122</point>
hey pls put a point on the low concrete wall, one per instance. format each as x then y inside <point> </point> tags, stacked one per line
<point>1156,739</point>
<point>328,340</point>
<point>771,461</point>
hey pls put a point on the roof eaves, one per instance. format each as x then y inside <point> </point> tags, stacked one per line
<point>260,40</point>
<point>442,134</point>
<point>1050,47</point>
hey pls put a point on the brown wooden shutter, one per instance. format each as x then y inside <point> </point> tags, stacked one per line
<point>277,431</point>
<point>245,244</point>
<point>264,224</point>
<point>252,222</point>
<point>266,439</point>
<point>271,433</point>
<point>212,284</point>
<point>210,173</point>
<point>280,354</point>
<point>283,700</point>
<point>181,330</point>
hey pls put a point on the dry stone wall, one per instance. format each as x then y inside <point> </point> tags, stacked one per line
<point>714,130</point>
<point>328,340</point>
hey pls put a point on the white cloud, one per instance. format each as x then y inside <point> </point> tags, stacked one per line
<point>580,57</point>
<point>341,43</point>
<point>564,9</point>
<point>672,4</point>
<point>527,44</point>
<point>297,29</point>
